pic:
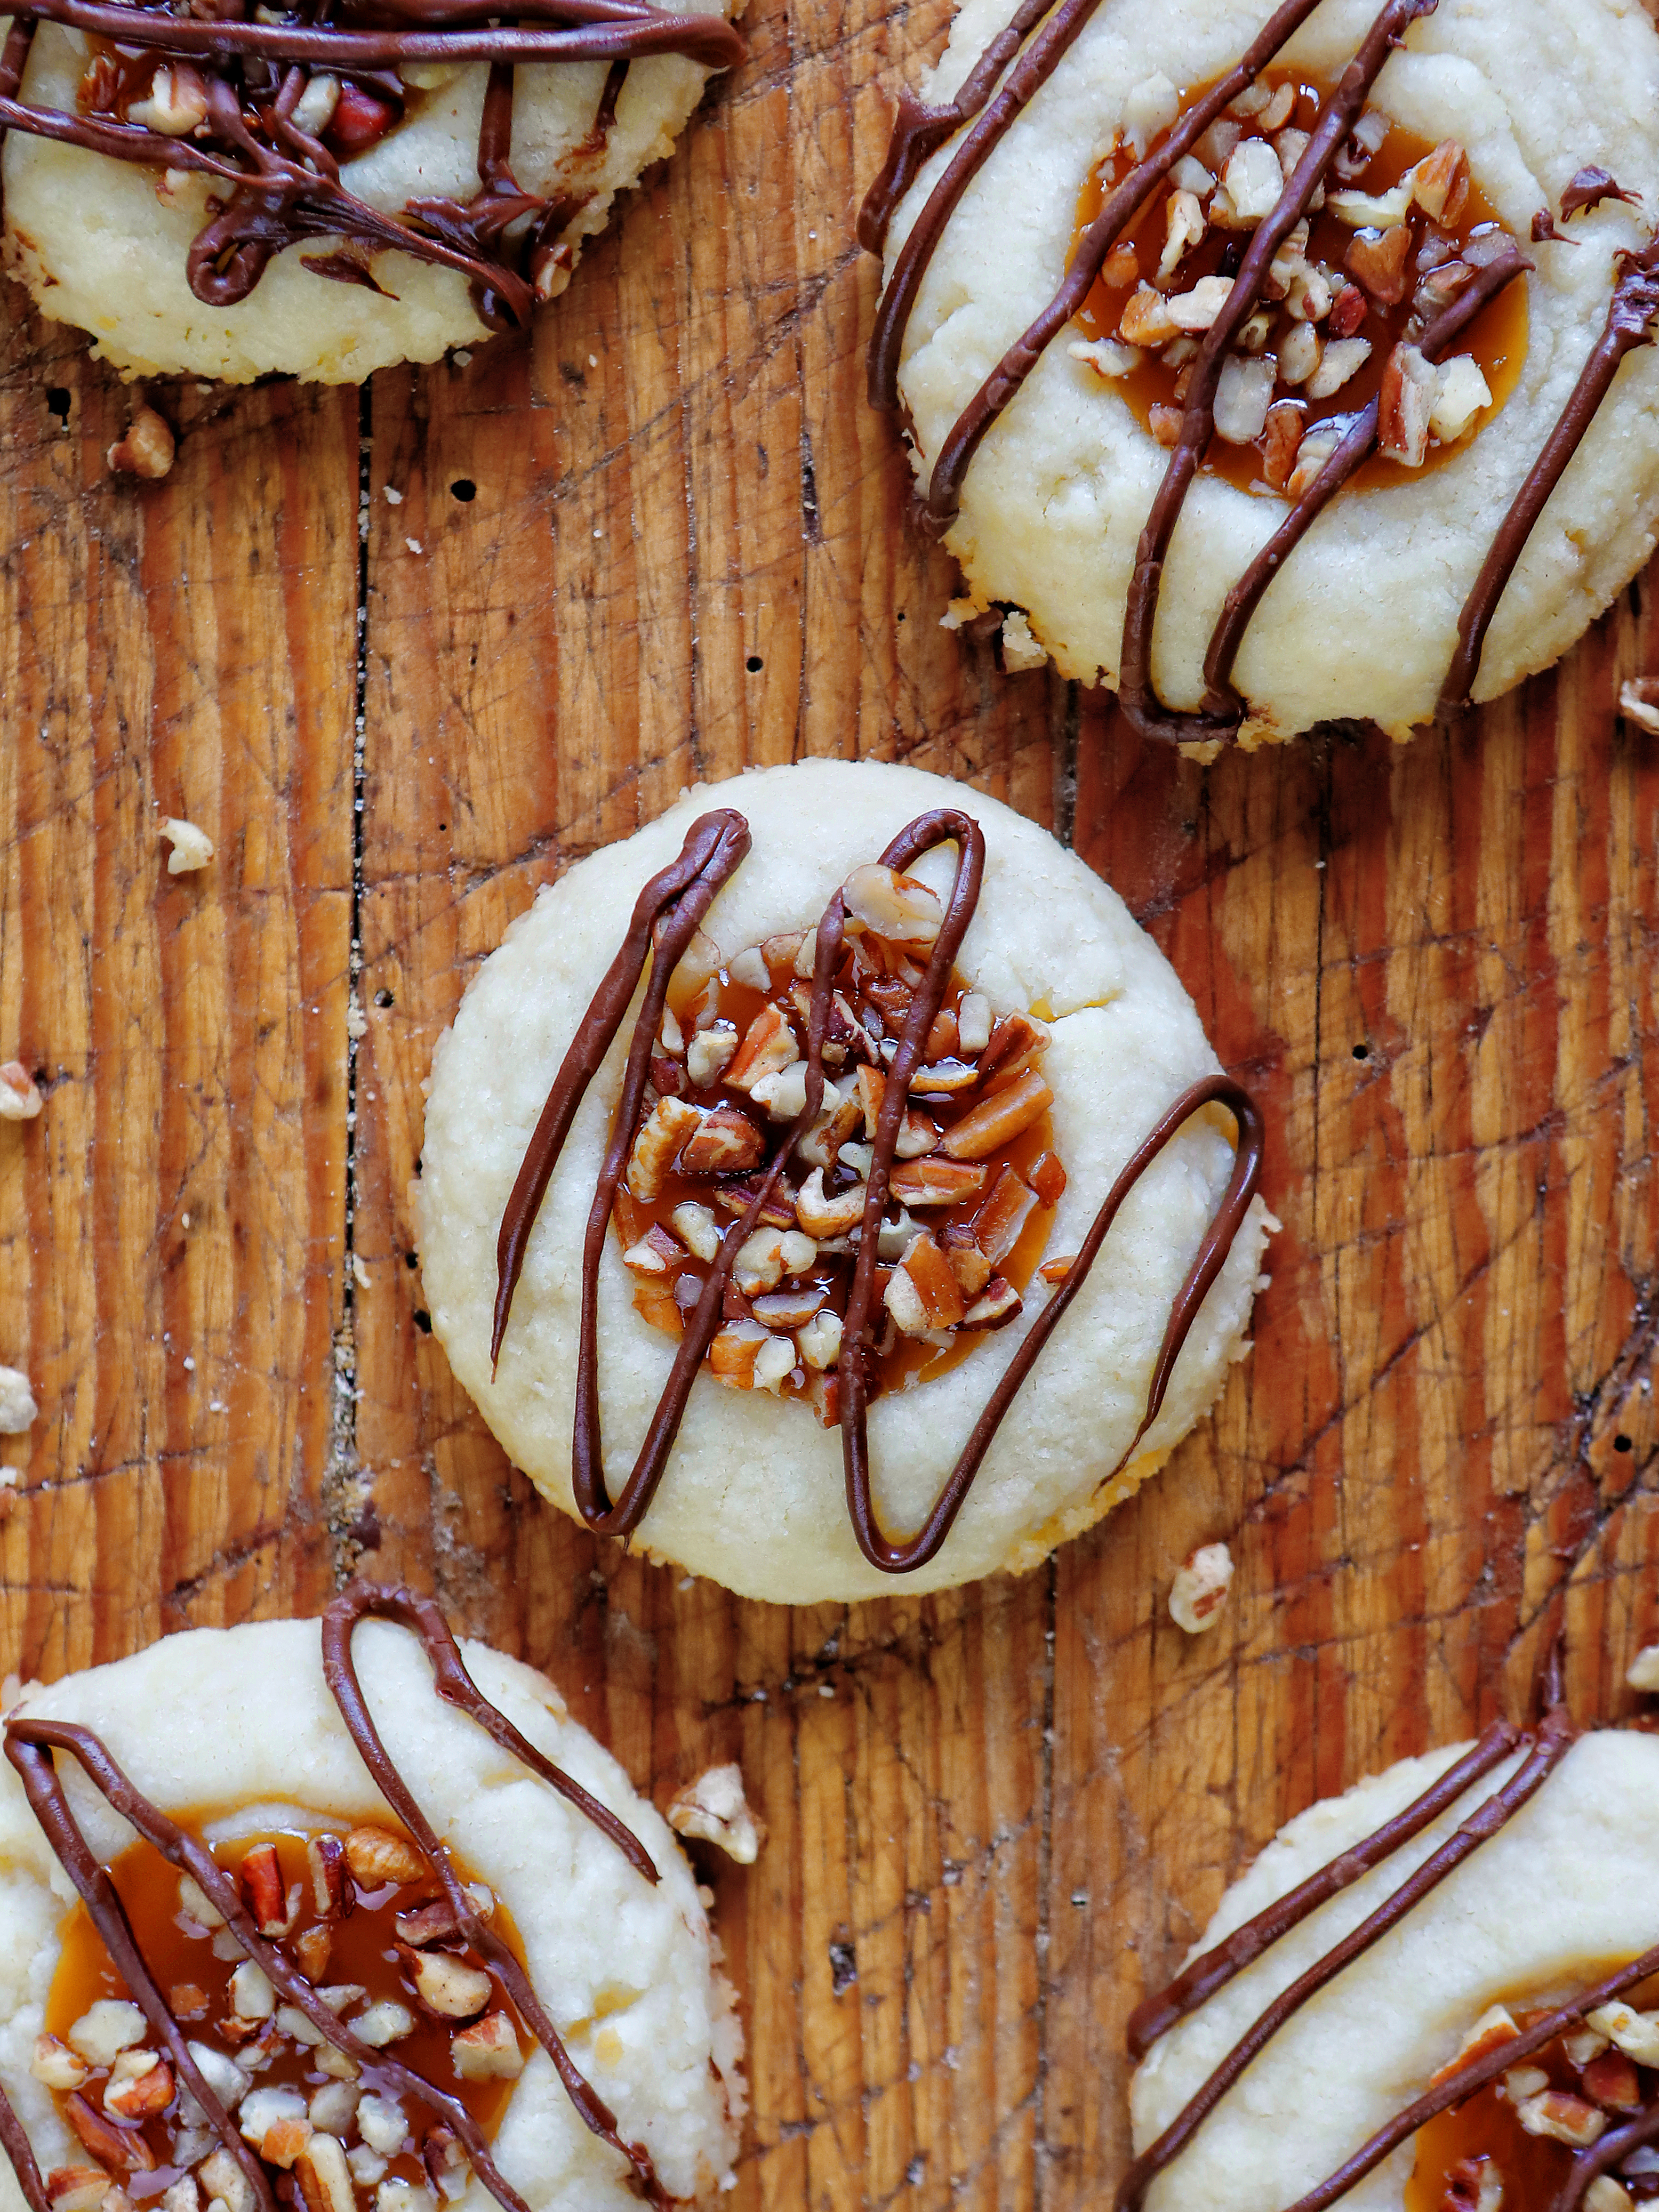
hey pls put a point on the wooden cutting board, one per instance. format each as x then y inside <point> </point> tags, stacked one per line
<point>407,654</point>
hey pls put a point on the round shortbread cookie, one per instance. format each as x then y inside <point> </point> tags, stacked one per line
<point>235,1730</point>
<point>1560,1895</point>
<point>1361,621</point>
<point>102,242</point>
<point>754,1493</point>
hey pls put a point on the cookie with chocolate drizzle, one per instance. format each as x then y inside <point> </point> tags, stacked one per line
<point>1447,1975</point>
<point>326,190</point>
<point>325,1952</point>
<point>878,1202</point>
<point>1338,273</point>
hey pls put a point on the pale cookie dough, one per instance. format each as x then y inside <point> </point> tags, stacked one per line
<point>1566,1890</point>
<point>1361,622</point>
<point>753,1494</point>
<point>230,1724</point>
<point>99,244</point>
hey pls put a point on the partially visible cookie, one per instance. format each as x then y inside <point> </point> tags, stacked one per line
<point>333,222</point>
<point>1059,368</point>
<point>1432,1991</point>
<point>1065,1060</point>
<point>366,2030</point>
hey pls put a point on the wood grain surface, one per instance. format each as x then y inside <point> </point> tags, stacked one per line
<point>662,540</point>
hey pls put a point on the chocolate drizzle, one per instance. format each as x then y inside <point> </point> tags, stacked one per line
<point>1197,1983</point>
<point>675,900</point>
<point>1630,311</point>
<point>1157,2013</point>
<point>285,181</point>
<point>31,1743</point>
<point>920,130</point>
<point>1221,701</point>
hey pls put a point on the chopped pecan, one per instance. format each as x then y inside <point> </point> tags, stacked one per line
<point>665,1130</point>
<point>998,1224</point>
<point>934,1180</point>
<point>768,1045</point>
<point>724,1142</point>
<point>995,1121</point>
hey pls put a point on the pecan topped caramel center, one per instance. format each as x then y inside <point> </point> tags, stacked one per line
<point>974,1180</point>
<point>1510,2146</point>
<point>1386,245</point>
<point>362,1917</point>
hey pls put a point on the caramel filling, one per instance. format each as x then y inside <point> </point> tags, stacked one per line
<point>1512,2145</point>
<point>1338,311</point>
<point>973,1185</point>
<point>365,1921</point>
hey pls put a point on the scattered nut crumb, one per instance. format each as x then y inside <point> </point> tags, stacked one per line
<point>192,847</point>
<point>1199,1589</point>
<point>393,497</point>
<point>19,1096</point>
<point>1642,1672</point>
<point>1639,700</point>
<point>357,1019</point>
<point>714,1807</point>
<point>17,1405</point>
<point>359,1272</point>
<point>147,448</point>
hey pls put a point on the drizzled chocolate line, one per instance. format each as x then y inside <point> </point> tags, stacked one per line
<point>455,1687</point>
<point>1197,1983</point>
<point>677,898</point>
<point>1555,1740</point>
<point>676,901</point>
<point>30,1744</point>
<point>569,36</point>
<point>919,129</point>
<point>286,183</point>
<point>29,1747</point>
<point>1359,442</point>
<point>1337,117</point>
<point>1088,257</point>
<point>16,2144</point>
<point>1634,304</point>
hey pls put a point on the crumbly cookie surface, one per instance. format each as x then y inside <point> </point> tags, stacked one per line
<point>1361,622</point>
<point>1558,1895</point>
<point>228,1723</point>
<point>99,244</point>
<point>754,1492</point>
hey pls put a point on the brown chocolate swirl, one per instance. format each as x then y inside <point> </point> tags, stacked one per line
<point>676,900</point>
<point>284,181</point>
<point>31,1744</point>
<point>919,130</point>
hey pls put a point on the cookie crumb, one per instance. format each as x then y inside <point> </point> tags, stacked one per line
<point>1020,649</point>
<point>714,1807</point>
<point>1642,1672</point>
<point>17,1407</point>
<point>1638,702</point>
<point>192,848</point>
<point>1199,1589</point>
